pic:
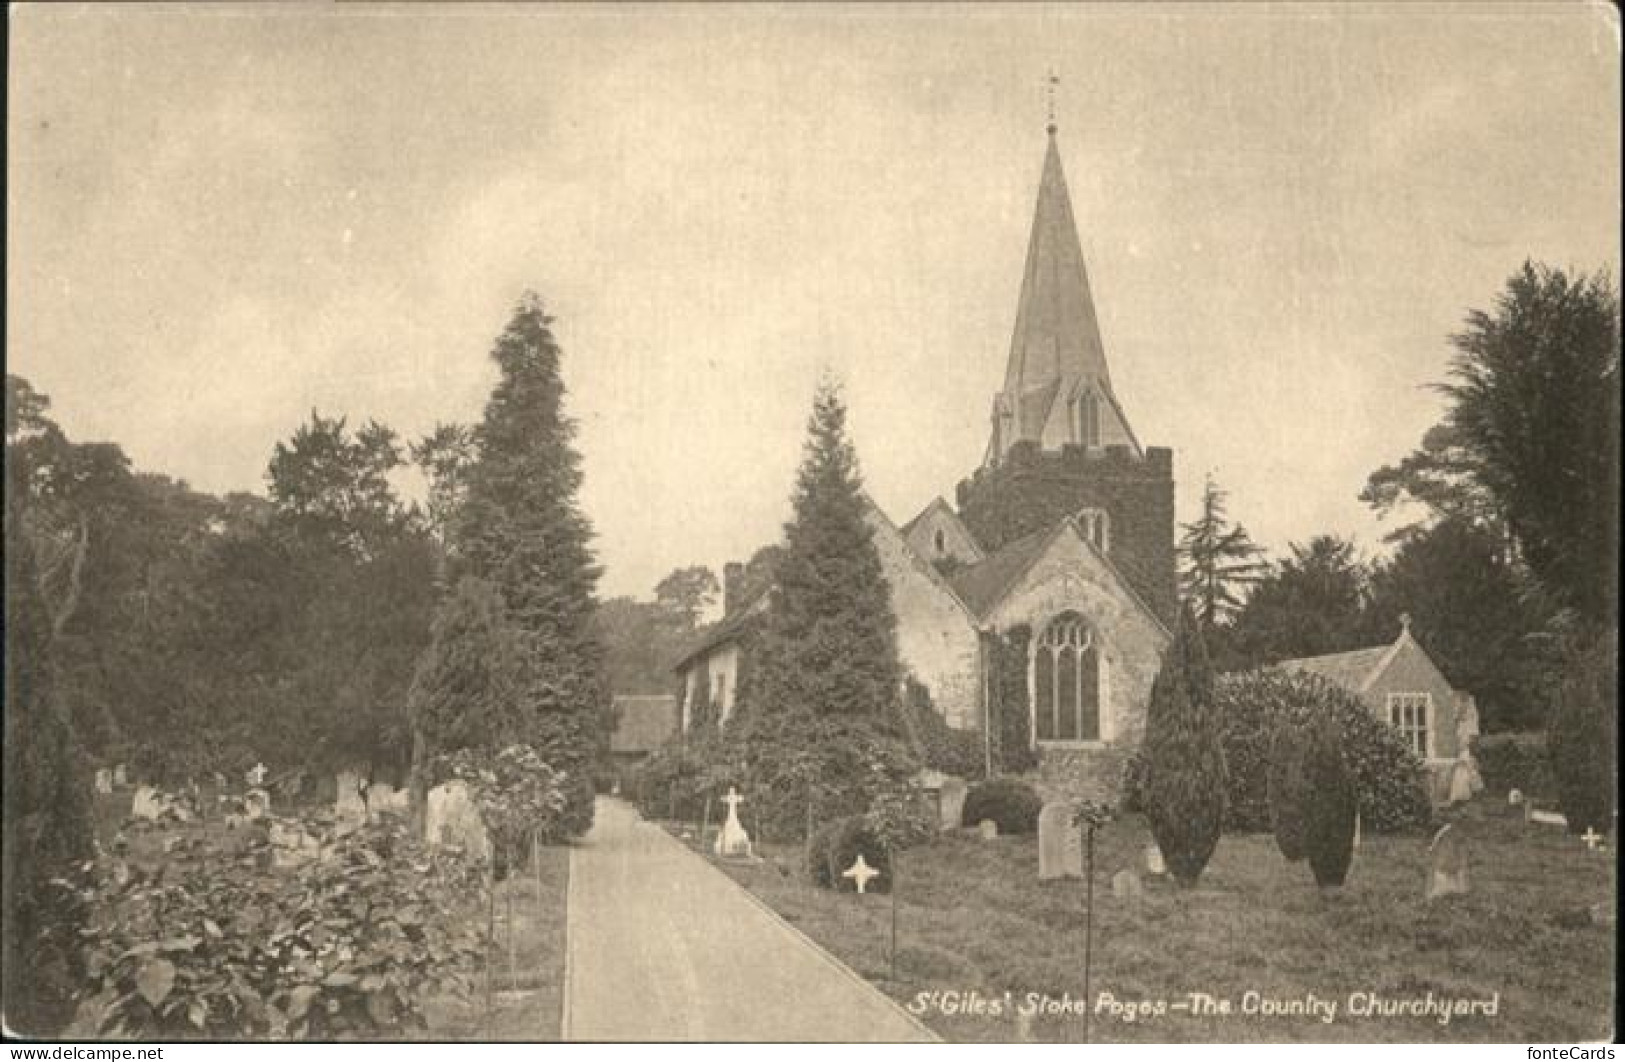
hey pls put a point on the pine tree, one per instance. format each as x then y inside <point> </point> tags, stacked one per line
<point>1185,777</point>
<point>1219,558</point>
<point>47,819</point>
<point>520,528</point>
<point>829,647</point>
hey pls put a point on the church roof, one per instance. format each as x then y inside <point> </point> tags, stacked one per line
<point>1349,670</point>
<point>1057,336</point>
<point>983,585</point>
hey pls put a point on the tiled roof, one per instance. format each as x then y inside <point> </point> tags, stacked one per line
<point>723,630</point>
<point>1349,670</point>
<point>643,723</point>
<point>981,586</point>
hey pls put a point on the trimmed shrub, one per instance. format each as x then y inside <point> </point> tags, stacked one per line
<point>1288,792</point>
<point>1331,803</point>
<point>1389,777</point>
<point>1514,761</point>
<point>1580,744</point>
<point>1009,802</point>
<point>837,846</point>
<point>1184,789</point>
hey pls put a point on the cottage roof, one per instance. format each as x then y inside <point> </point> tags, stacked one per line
<point>724,630</point>
<point>1351,670</point>
<point>643,722</point>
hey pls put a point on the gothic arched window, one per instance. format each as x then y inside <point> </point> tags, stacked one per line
<point>1066,682</point>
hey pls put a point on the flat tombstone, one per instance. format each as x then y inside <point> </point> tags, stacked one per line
<point>104,781</point>
<point>1126,885</point>
<point>951,802</point>
<point>988,829</point>
<point>1447,864</point>
<point>454,819</point>
<point>1060,845</point>
<point>1154,864</point>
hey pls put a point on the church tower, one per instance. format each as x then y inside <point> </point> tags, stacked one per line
<point>1060,444</point>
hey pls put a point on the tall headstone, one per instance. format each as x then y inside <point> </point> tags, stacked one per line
<point>1447,864</point>
<point>951,802</point>
<point>350,805</point>
<point>1154,864</point>
<point>1060,844</point>
<point>733,842</point>
<point>452,818</point>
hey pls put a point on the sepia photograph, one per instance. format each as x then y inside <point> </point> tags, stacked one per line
<point>832,523</point>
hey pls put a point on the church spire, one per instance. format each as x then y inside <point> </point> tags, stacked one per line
<point>1057,389</point>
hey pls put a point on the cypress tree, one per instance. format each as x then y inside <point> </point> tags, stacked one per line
<point>1185,777</point>
<point>521,529</point>
<point>1288,794</point>
<point>1331,804</point>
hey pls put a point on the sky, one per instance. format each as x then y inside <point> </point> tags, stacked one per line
<point>223,218</point>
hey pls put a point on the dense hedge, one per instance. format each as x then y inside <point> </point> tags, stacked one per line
<point>1009,802</point>
<point>1513,761</point>
<point>1389,778</point>
<point>836,847</point>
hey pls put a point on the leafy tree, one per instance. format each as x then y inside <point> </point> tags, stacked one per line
<point>47,822</point>
<point>1535,394</point>
<point>1310,603</point>
<point>521,529</point>
<point>1444,478</point>
<point>829,645</point>
<point>1219,561</point>
<point>688,592</point>
<point>332,488</point>
<point>1468,606</point>
<point>1185,778</point>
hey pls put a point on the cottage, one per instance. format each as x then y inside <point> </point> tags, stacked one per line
<point>1404,688</point>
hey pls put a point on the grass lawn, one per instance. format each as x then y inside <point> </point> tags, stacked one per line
<point>974,919</point>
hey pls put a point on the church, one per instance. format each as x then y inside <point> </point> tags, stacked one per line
<point>1061,544</point>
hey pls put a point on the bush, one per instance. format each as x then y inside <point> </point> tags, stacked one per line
<point>1332,803</point>
<point>902,817</point>
<point>519,798</point>
<point>1513,761</point>
<point>1389,777</point>
<point>1184,790</point>
<point>806,768</point>
<point>1581,742</point>
<point>1009,802</point>
<point>837,846</point>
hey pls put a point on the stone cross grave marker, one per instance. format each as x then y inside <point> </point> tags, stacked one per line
<point>1593,840</point>
<point>951,802</point>
<point>1447,864</point>
<point>861,873</point>
<point>733,842</point>
<point>1060,844</point>
<point>256,775</point>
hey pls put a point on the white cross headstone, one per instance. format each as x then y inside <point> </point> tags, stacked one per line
<point>861,873</point>
<point>733,841</point>
<point>1593,839</point>
<point>256,776</point>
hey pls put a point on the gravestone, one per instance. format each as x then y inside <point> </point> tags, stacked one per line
<point>1060,844</point>
<point>951,802</point>
<point>1356,845</point>
<point>1126,885</point>
<point>1462,776</point>
<point>104,781</point>
<point>1447,864</point>
<point>988,829</point>
<point>349,803</point>
<point>861,873</point>
<point>148,804</point>
<point>454,819</point>
<point>1154,864</point>
<point>291,846</point>
<point>256,804</point>
<point>1514,797</point>
<point>120,778</point>
<point>733,842</point>
<point>1543,818</point>
<point>383,797</point>
<point>255,776</point>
